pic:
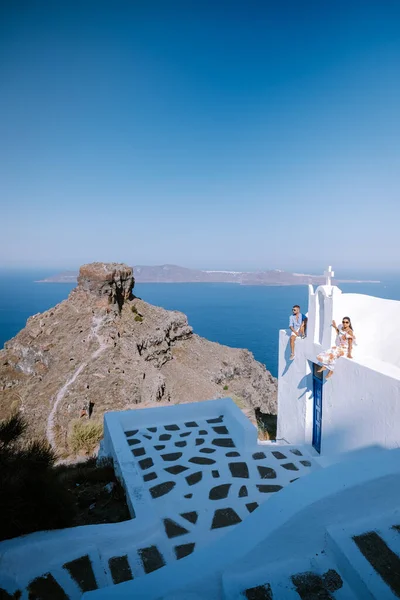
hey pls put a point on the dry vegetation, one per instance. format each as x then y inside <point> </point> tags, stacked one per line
<point>36,495</point>
<point>84,436</point>
<point>98,495</point>
<point>31,497</point>
<point>266,424</point>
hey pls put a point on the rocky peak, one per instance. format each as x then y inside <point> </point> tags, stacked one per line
<point>106,348</point>
<point>111,281</point>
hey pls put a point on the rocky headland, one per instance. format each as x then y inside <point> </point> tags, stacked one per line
<point>104,349</point>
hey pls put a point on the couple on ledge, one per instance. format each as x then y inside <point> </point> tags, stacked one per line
<point>343,346</point>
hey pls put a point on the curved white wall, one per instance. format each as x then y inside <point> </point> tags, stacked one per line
<point>375,322</point>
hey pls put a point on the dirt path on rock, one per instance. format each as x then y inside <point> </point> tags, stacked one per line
<point>97,323</point>
<point>60,395</point>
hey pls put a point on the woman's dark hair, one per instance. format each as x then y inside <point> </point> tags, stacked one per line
<point>349,320</point>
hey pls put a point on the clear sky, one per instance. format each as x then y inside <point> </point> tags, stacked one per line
<point>210,134</point>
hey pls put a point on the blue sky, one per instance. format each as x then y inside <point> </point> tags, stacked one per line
<point>236,135</point>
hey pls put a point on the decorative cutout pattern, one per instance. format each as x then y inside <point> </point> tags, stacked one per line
<point>173,529</point>
<point>161,489</point>
<point>200,480</point>
<point>184,550</point>
<point>260,592</point>
<point>81,571</point>
<point>223,517</point>
<point>120,569</point>
<point>151,558</point>
<point>196,500</point>
<point>46,587</point>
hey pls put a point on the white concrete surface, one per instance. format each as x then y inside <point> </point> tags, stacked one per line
<point>285,533</point>
<point>190,516</point>
<point>195,432</point>
<point>376,324</point>
<point>352,563</point>
<point>361,402</point>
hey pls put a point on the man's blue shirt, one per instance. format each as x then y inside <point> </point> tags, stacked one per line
<point>295,321</point>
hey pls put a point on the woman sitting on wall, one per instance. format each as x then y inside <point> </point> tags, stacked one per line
<point>344,345</point>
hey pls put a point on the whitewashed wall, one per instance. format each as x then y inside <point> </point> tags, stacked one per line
<point>361,406</point>
<point>376,324</point>
<point>361,402</point>
<point>294,395</point>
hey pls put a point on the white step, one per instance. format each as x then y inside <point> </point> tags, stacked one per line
<point>361,572</point>
<point>278,580</point>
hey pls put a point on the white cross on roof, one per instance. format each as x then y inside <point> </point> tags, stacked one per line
<point>329,274</point>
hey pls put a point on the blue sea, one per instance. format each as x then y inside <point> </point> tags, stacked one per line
<point>238,316</point>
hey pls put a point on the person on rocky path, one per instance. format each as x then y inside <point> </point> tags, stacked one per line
<point>297,325</point>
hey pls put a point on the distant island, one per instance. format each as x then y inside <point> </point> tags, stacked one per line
<point>176,274</point>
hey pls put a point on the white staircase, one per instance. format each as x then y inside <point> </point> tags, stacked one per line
<point>331,536</point>
<point>245,524</point>
<point>192,474</point>
<point>315,578</point>
<point>368,554</point>
<point>361,561</point>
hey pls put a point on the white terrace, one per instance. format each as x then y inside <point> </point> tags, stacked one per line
<point>201,460</point>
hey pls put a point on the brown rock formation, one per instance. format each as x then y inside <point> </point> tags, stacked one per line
<point>105,346</point>
<point>112,281</point>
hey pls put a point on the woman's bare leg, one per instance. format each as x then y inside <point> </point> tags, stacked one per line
<point>323,368</point>
<point>329,375</point>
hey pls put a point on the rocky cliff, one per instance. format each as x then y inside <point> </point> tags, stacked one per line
<point>107,349</point>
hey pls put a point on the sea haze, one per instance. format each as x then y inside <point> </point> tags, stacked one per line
<point>235,315</point>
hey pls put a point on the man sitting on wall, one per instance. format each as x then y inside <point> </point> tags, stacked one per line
<point>297,324</point>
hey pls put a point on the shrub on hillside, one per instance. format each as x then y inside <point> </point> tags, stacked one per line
<point>31,496</point>
<point>85,435</point>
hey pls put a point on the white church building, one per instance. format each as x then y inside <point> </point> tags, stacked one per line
<point>359,405</point>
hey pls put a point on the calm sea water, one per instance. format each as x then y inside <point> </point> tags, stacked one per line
<point>238,316</point>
